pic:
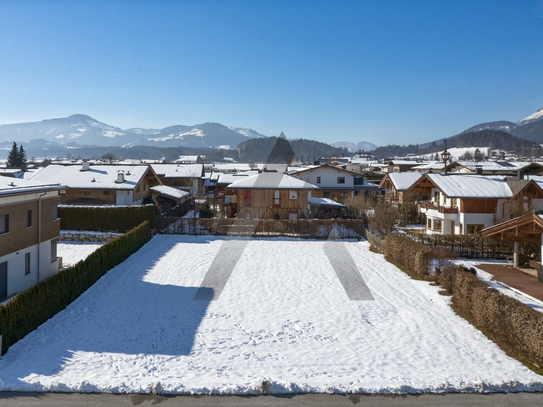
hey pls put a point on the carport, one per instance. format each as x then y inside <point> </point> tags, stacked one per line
<point>527,228</point>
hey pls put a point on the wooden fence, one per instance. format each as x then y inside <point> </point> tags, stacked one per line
<point>314,229</point>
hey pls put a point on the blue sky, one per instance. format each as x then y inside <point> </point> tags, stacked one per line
<point>387,72</point>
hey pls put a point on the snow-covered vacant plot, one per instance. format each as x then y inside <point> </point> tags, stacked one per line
<point>74,252</point>
<point>283,317</point>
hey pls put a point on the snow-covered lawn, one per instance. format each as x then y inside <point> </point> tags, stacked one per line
<point>73,252</point>
<point>283,317</point>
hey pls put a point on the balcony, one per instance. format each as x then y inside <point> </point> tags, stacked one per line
<point>441,209</point>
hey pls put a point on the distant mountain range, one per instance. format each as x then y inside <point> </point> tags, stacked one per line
<point>81,130</point>
<point>352,147</point>
<point>530,128</point>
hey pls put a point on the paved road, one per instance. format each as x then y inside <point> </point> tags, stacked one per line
<point>9,399</point>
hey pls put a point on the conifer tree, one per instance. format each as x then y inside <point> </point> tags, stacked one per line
<point>13,157</point>
<point>22,159</point>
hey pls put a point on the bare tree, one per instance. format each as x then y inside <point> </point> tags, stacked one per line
<point>385,217</point>
<point>109,158</point>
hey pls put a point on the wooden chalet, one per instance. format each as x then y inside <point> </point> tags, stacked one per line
<point>271,195</point>
<point>396,184</point>
<point>467,204</point>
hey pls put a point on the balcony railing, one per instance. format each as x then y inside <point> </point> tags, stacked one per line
<point>441,209</point>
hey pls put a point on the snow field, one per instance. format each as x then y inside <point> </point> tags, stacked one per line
<point>283,317</point>
<point>74,252</point>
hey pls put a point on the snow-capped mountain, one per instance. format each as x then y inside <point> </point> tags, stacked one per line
<point>352,147</point>
<point>532,118</point>
<point>80,130</point>
<point>530,128</point>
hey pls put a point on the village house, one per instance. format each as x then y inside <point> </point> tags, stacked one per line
<point>397,183</point>
<point>100,184</point>
<point>188,177</point>
<point>467,203</point>
<point>29,231</point>
<point>398,166</point>
<point>272,195</point>
<point>333,182</point>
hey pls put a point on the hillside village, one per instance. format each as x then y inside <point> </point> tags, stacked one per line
<point>436,220</point>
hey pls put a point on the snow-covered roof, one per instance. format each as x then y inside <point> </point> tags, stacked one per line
<point>324,201</point>
<point>403,180</point>
<point>402,162</point>
<point>325,167</point>
<point>178,170</point>
<point>225,167</point>
<point>234,177</point>
<point>13,186</point>
<point>271,180</point>
<point>97,177</point>
<point>11,172</point>
<point>471,186</point>
<point>171,192</point>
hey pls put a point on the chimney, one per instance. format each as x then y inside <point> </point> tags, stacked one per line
<point>120,177</point>
<point>86,166</point>
<point>520,174</point>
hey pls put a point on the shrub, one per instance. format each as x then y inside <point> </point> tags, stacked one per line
<point>444,256</point>
<point>206,211</point>
<point>411,256</point>
<point>122,219</point>
<point>41,302</point>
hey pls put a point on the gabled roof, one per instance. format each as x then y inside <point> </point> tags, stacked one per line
<point>271,180</point>
<point>461,185</point>
<point>527,228</point>
<point>229,178</point>
<point>18,186</point>
<point>97,177</point>
<point>294,171</point>
<point>403,180</point>
<point>170,192</point>
<point>178,170</point>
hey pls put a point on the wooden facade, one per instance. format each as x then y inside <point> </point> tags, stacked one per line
<point>21,235</point>
<point>272,204</point>
<point>108,196</point>
<point>481,205</point>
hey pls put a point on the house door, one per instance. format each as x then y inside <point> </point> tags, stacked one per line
<point>453,227</point>
<point>3,280</point>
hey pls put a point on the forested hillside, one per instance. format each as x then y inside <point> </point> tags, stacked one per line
<point>495,139</point>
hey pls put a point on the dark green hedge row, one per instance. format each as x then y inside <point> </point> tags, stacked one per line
<point>36,305</point>
<point>120,219</point>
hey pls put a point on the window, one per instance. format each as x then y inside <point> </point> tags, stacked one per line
<point>429,226</point>
<point>318,180</point>
<point>453,202</point>
<point>292,194</point>
<point>460,231</point>
<point>293,216</point>
<point>326,195</point>
<point>27,263</point>
<point>4,224</point>
<point>474,229</point>
<point>54,250</point>
<point>277,198</point>
<point>341,180</point>
<point>247,201</point>
<point>86,192</point>
<point>248,215</point>
<point>28,218</point>
<point>106,192</point>
<point>453,227</point>
<point>436,196</point>
<point>437,224</point>
<point>55,209</point>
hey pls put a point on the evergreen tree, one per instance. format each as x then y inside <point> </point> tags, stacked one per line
<point>13,157</point>
<point>22,159</point>
<point>478,156</point>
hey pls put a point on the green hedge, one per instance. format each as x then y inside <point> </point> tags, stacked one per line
<point>41,302</point>
<point>110,218</point>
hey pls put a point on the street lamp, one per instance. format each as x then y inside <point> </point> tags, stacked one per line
<point>445,156</point>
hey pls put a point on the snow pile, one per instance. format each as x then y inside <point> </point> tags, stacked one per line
<point>282,324</point>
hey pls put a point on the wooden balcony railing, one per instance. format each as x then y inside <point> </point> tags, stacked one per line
<point>441,209</point>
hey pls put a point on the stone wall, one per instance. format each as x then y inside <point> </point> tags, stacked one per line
<point>74,236</point>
